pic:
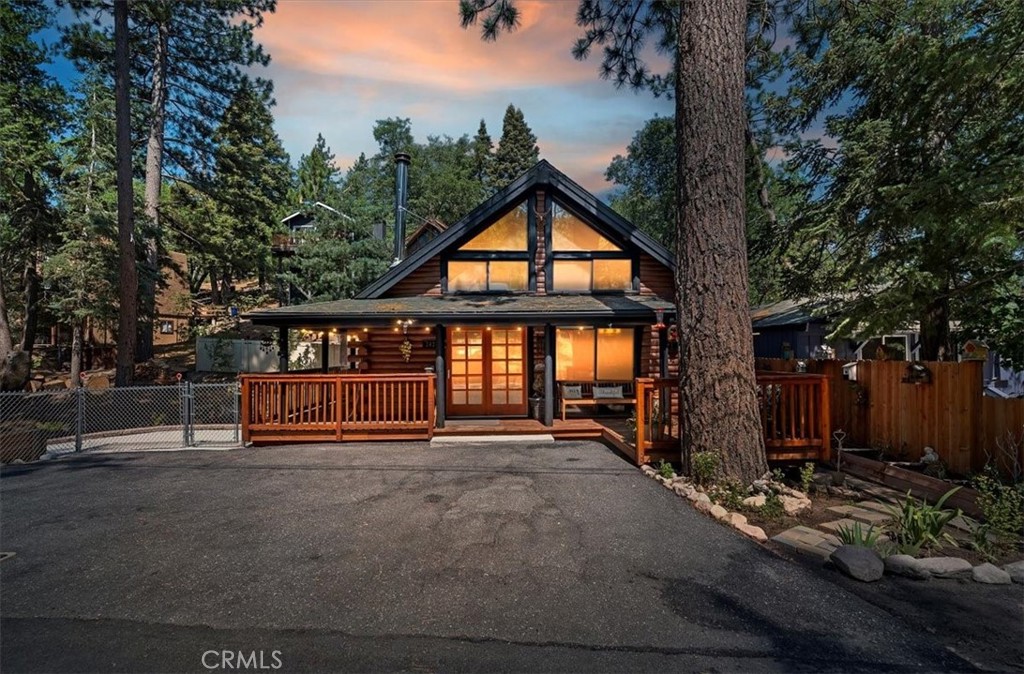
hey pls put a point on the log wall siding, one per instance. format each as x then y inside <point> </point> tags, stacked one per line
<point>540,259</point>
<point>424,281</point>
<point>656,279</point>
<point>380,348</point>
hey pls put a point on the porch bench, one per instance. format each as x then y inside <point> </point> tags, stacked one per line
<point>586,394</point>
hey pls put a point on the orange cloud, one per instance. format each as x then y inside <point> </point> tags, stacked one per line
<point>421,43</point>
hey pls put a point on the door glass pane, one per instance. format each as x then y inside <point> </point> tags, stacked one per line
<point>467,276</point>
<point>499,397</point>
<point>515,367</point>
<point>476,383</point>
<point>498,366</point>
<point>458,353</point>
<point>508,233</point>
<point>499,383</point>
<point>498,352</point>
<point>458,397</point>
<point>475,352</point>
<point>475,398</point>
<point>613,275</point>
<point>475,367</point>
<point>508,276</point>
<point>574,354</point>
<point>458,367</point>
<point>515,397</point>
<point>458,383</point>
<point>569,233</point>
<point>515,352</point>
<point>571,276</point>
<point>615,354</point>
<point>475,336</point>
<point>515,382</point>
<point>514,336</point>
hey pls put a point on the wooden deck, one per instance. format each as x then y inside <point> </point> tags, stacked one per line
<point>611,430</point>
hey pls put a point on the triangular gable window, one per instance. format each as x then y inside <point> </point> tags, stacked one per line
<point>508,233</point>
<point>570,234</point>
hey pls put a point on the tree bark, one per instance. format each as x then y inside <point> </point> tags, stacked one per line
<point>28,333</point>
<point>129,279</point>
<point>6,340</point>
<point>76,351</point>
<point>718,394</point>
<point>154,179</point>
<point>935,337</point>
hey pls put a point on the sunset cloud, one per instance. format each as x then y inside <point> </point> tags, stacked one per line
<point>339,66</point>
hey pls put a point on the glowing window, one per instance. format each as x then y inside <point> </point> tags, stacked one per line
<point>468,276</point>
<point>508,233</point>
<point>586,354</point>
<point>588,275</point>
<point>569,233</point>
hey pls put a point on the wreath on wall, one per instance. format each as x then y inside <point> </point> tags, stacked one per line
<point>406,348</point>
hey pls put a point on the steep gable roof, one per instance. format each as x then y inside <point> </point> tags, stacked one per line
<point>562,188</point>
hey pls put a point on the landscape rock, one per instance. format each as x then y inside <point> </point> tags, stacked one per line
<point>794,506</point>
<point>757,501</point>
<point>757,533</point>
<point>761,486</point>
<point>858,562</point>
<point>703,506</point>
<point>718,512</point>
<point>683,489</point>
<point>648,470</point>
<point>1016,571</point>
<point>907,566</point>
<point>990,574</point>
<point>795,493</point>
<point>946,567</point>
<point>736,519</point>
<point>700,497</point>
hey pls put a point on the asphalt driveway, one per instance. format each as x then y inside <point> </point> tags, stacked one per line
<point>486,558</point>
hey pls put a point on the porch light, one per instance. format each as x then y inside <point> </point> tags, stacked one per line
<point>660,318</point>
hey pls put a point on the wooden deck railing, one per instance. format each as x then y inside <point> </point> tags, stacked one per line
<point>657,419</point>
<point>338,408</point>
<point>795,415</point>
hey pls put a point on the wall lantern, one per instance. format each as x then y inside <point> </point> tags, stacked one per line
<point>850,371</point>
<point>660,318</point>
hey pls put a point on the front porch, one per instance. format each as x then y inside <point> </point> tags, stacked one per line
<point>350,407</point>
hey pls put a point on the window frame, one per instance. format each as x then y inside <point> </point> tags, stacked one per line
<point>627,253</point>
<point>636,351</point>
<point>528,256</point>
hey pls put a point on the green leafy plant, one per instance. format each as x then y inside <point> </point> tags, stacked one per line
<point>806,476</point>
<point>858,535</point>
<point>705,466</point>
<point>729,495</point>
<point>1002,504</point>
<point>919,525</point>
<point>980,542</point>
<point>778,475</point>
<point>772,508</point>
<point>665,469</point>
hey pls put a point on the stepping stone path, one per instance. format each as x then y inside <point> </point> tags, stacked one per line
<point>823,541</point>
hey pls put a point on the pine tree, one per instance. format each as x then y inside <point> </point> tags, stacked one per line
<point>483,156</point>
<point>31,117</point>
<point>317,176</point>
<point>517,148</point>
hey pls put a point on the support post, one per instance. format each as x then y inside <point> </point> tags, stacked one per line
<point>549,375</point>
<point>325,352</point>
<point>282,349</point>
<point>663,353</point>
<point>79,414</point>
<point>441,372</point>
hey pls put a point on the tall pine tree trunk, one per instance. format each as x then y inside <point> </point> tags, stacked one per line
<point>76,350</point>
<point>935,338</point>
<point>718,396</point>
<point>154,176</point>
<point>129,279</point>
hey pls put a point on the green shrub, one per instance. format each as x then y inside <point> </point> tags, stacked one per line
<point>778,475</point>
<point>857,535</point>
<point>1002,505</point>
<point>665,469</point>
<point>772,508</point>
<point>919,525</point>
<point>729,495</point>
<point>806,476</point>
<point>705,466</point>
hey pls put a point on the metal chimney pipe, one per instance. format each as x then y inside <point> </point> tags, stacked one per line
<point>401,199</point>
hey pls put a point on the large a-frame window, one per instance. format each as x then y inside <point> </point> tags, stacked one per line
<point>583,260</point>
<point>495,260</point>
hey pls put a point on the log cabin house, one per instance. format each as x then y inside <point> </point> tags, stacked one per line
<point>540,302</point>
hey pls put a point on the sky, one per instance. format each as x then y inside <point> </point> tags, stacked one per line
<point>338,66</point>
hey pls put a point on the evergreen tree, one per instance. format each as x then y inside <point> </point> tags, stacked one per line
<point>483,156</point>
<point>517,148</point>
<point>251,180</point>
<point>82,272</point>
<point>317,176</point>
<point>31,116</point>
<point>914,216</point>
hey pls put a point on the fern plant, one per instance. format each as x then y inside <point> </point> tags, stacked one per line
<point>917,526</point>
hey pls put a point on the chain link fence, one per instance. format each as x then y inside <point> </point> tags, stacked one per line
<point>50,423</point>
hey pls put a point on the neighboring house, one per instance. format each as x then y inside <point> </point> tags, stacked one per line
<point>173,303</point>
<point>424,234</point>
<point>541,285</point>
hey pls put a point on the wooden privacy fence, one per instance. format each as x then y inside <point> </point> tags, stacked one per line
<point>949,413</point>
<point>657,419</point>
<point>337,408</point>
<point>795,416</point>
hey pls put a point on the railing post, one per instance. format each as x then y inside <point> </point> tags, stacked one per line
<point>339,391</point>
<point>431,393</point>
<point>641,414</point>
<point>826,421</point>
<point>246,418</point>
